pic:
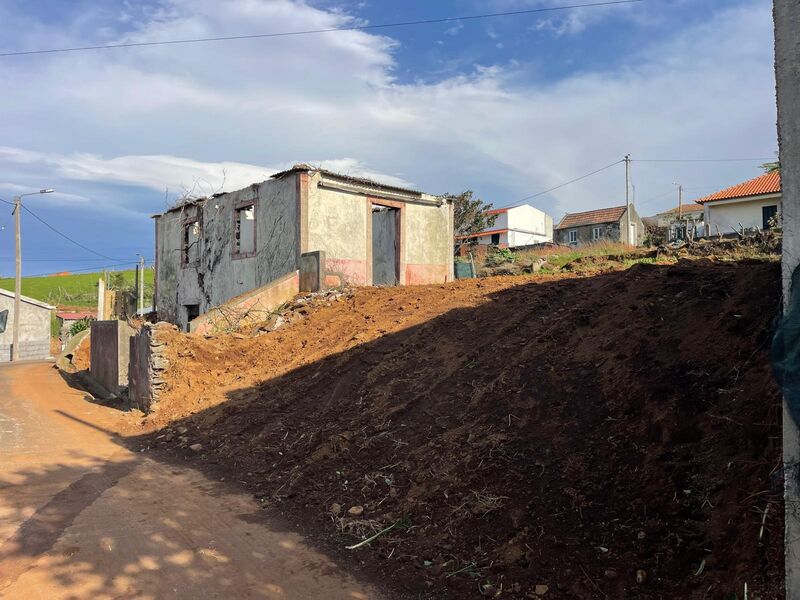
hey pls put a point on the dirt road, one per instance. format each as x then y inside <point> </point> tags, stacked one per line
<point>81,516</point>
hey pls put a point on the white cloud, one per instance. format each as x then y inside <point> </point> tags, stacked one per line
<point>455,28</point>
<point>171,116</point>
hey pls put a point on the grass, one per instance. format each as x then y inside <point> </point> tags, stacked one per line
<point>78,290</point>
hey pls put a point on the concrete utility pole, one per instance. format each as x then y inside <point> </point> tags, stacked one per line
<point>627,198</point>
<point>140,286</point>
<point>18,268</point>
<point>786,14</point>
<point>680,201</point>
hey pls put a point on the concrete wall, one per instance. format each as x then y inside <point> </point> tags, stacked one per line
<point>109,354</point>
<point>729,214</point>
<point>787,73</point>
<point>340,224</point>
<point>34,330</point>
<point>220,275</point>
<point>251,307</point>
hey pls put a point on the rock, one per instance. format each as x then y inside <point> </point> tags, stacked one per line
<point>196,447</point>
<point>610,574</point>
<point>182,430</point>
<point>540,590</point>
<point>355,511</point>
<point>336,508</point>
<point>641,576</point>
<point>641,535</point>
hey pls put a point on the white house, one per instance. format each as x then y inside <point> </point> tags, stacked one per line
<point>516,226</point>
<point>682,220</point>
<point>754,204</point>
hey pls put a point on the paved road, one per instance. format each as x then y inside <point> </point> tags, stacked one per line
<point>82,517</point>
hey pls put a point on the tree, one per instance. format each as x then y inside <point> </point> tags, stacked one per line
<point>470,214</point>
<point>771,167</point>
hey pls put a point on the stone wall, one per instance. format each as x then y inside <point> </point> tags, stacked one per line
<point>147,363</point>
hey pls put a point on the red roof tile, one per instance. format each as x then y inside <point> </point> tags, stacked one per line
<point>497,211</point>
<point>74,316</point>
<point>686,208</point>
<point>590,217</point>
<point>768,183</point>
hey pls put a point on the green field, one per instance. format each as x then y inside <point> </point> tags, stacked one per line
<point>78,289</point>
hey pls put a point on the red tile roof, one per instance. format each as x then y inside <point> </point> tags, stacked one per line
<point>74,316</point>
<point>768,183</point>
<point>686,208</point>
<point>590,217</point>
<point>497,211</point>
<point>481,234</point>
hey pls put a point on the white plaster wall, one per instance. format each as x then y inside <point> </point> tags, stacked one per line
<point>527,219</point>
<point>728,215</point>
<point>34,321</point>
<point>337,222</point>
<point>429,234</point>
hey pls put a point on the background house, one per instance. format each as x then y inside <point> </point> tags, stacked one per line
<point>212,250</point>
<point>678,222</point>
<point>603,224</point>
<point>516,226</point>
<point>754,204</point>
<point>34,327</point>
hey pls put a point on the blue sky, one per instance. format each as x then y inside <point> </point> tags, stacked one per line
<point>506,107</point>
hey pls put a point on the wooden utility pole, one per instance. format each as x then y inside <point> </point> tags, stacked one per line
<point>17,278</point>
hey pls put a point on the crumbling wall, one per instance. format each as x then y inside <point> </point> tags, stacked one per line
<point>147,363</point>
<point>220,274</point>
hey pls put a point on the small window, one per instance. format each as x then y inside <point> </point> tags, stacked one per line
<point>573,236</point>
<point>597,233</point>
<point>190,247</point>
<point>244,230</point>
<point>769,216</point>
<point>495,239</point>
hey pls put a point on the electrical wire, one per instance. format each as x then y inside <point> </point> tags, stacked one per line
<point>565,183</point>
<point>65,236</point>
<point>316,31</point>
<point>700,160</point>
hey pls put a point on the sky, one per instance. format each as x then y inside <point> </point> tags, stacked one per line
<point>507,106</point>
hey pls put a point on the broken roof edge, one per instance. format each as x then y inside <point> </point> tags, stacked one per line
<point>27,299</point>
<point>306,168</point>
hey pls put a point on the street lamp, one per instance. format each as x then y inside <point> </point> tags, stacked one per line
<point>18,264</point>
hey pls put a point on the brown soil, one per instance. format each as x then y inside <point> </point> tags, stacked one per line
<point>574,433</point>
<point>81,356</point>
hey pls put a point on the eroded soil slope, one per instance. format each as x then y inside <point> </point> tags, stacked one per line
<point>613,436</point>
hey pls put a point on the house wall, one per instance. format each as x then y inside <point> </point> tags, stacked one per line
<point>611,232</point>
<point>34,330</point>
<point>219,275</point>
<point>340,224</point>
<point>486,240</point>
<point>728,214</point>
<point>530,226</point>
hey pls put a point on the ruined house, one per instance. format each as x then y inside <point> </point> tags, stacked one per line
<point>302,229</point>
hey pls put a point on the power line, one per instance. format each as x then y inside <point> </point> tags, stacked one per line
<point>58,259</point>
<point>316,31</point>
<point>64,235</point>
<point>94,269</point>
<point>569,182</point>
<point>700,159</point>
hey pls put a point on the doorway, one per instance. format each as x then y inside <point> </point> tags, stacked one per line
<point>385,245</point>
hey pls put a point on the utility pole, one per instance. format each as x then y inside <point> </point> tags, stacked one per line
<point>627,198</point>
<point>140,286</point>
<point>18,269</point>
<point>680,201</point>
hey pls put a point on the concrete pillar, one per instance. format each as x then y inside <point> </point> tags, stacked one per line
<point>787,74</point>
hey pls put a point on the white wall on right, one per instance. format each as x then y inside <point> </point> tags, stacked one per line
<point>530,225</point>
<point>731,216</point>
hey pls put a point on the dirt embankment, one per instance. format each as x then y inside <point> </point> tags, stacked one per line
<point>608,437</point>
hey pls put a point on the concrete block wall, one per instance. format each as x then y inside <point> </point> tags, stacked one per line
<point>37,350</point>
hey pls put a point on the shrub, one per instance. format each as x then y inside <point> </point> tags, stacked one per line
<point>80,325</point>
